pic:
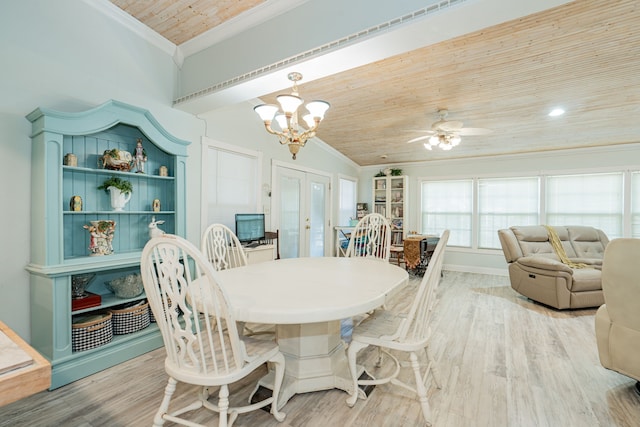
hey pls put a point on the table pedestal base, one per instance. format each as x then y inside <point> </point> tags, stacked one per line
<point>315,360</point>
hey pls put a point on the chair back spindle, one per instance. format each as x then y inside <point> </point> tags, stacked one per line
<point>222,248</point>
<point>371,238</point>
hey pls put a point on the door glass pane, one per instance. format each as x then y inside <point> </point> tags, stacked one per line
<point>289,217</point>
<point>317,219</point>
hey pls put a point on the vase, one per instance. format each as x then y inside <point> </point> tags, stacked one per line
<point>101,237</point>
<point>78,284</point>
<point>118,198</point>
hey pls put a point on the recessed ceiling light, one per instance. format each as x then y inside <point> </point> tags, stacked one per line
<point>556,112</point>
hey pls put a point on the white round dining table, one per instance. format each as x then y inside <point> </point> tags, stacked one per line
<point>306,298</point>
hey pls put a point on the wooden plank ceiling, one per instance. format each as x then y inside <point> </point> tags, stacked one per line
<point>583,56</point>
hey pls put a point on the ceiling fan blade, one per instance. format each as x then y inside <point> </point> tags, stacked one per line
<point>419,130</point>
<point>473,131</point>
<point>449,126</point>
<point>420,138</point>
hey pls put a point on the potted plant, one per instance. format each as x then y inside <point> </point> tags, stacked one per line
<point>121,184</point>
<point>120,191</point>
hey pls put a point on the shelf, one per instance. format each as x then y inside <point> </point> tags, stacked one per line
<point>390,196</point>
<point>115,172</point>
<point>119,213</point>
<point>109,300</point>
<point>62,241</point>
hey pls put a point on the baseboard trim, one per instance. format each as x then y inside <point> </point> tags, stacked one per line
<point>476,269</point>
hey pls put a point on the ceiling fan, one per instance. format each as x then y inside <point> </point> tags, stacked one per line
<point>446,134</point>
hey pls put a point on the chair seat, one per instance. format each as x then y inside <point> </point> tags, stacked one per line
<point>257,352</point>
<point>380,329</point>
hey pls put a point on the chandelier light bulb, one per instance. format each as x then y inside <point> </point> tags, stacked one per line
<point>289,103</point>
<point>266,111</point>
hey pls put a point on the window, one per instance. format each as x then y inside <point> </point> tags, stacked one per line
<point>635,205</point>
<point>505,202</point>
<point>595,200</point>
<point>347,200</point>
<point>230,183</point>
<point>448,205</point>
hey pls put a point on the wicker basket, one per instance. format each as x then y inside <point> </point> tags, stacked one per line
<point>128,319</point>
<point>90,331</point>
<point>152,318</point>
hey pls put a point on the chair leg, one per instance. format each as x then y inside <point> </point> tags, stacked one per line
<point>420,388</point>
<point>278,362</point>
<point>433,368</point>
<point>352,352</point>
<point>223,405</point>
<point>158,420</point>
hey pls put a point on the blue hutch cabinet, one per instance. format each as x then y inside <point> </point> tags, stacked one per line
<point>59,242</point>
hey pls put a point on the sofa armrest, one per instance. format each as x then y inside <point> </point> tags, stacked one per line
<point>543,263</point>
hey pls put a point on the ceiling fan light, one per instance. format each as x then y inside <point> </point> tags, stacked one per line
<point>446,147</point>
<point>266,111</point>
<point>455,140</point>
<point>434,140</point>
<point>289,103</point>
<point>428,146</point>
<point>317,108</point>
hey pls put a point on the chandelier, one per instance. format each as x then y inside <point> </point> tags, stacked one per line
<point>444,141</point>
<point>292,133</point>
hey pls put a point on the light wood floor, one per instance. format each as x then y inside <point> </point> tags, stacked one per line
<point>504,361</point>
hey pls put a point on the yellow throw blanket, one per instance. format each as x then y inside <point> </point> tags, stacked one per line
<point>554,239</point>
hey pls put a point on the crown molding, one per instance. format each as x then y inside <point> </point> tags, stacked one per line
<point>123,18</point>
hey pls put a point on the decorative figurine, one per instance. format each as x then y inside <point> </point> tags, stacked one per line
<point>70,159</point>
<point>101,237</point>
<point>163,171</point>
<point>115,159</point>
<point>156,205</point>
<point>154,231</point>
<point>140,157</point>
<point>75,204</point>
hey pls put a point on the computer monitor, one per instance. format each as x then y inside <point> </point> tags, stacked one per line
<point>250,227</point>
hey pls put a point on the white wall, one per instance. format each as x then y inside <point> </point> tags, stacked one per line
<point>67,56</point>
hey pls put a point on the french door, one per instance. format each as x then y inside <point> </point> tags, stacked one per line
<point>301,201</point>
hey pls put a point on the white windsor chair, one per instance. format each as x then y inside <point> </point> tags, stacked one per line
<point>199,332</point>
<point>222,248</point>
<point>371,237</point>
<point>406,332</point>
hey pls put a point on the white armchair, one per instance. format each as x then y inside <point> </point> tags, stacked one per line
<point>617,321</point>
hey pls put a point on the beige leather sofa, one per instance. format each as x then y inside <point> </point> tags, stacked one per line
<point>618,320</point>
<point>536,271</point>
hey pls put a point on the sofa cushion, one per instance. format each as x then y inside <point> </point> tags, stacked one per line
<point>587,242</point>
<point>534,240</point>
<point>586,279</point>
